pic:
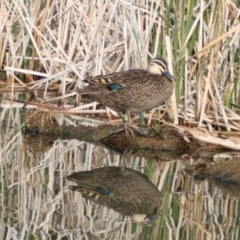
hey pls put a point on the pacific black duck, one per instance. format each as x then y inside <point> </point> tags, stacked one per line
<point>128,192</point>
<point>132,91</point>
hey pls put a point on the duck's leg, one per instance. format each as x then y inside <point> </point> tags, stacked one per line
<point>141,118</point>
<point>127,123</point>
<point>123,117</point>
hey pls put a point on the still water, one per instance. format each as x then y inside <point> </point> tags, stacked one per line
<point>36,202</point>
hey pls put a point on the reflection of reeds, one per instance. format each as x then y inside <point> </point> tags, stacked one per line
<point>35,196</point>
<point>47,49</point>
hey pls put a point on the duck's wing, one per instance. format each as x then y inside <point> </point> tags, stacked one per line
<point>115,81</point>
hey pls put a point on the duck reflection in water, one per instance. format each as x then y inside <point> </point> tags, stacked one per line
<point>128,192</point>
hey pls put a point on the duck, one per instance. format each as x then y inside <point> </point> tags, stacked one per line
<point>128,192</point>
<point>132,91</point>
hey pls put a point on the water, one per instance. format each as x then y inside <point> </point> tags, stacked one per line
<point>37,204</point>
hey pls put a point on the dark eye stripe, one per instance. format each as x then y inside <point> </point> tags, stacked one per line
<point>161,63</point>
<point>162,69</point>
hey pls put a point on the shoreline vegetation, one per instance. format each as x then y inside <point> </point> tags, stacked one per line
<point>50,47</point>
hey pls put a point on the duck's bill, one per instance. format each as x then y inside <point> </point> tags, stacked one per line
<point>168,75</point>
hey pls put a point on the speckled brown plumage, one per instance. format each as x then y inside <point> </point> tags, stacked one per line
<point>128,192</point>
<point>133,90</point>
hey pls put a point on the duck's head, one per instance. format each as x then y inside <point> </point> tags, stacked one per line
<point>158,66</point>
